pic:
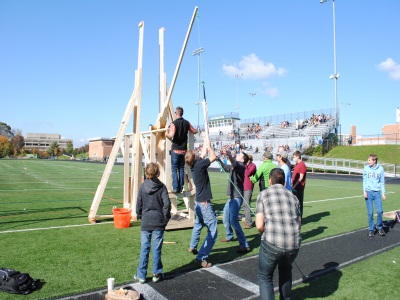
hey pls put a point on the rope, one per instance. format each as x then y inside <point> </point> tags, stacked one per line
<point>236,188</point>
<point>205,109</point>
<point>199,40</point>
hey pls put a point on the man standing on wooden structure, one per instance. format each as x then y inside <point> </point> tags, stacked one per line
<point>178,134</point>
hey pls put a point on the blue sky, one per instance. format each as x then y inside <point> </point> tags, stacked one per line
<point>67,67</point>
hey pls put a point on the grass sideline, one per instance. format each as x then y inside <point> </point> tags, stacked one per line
<point>45,231</point>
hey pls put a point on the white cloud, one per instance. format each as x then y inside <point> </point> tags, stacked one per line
<point>272,92</point>
<point>253,68</point>
<point>391,67</point>
<point>269,91</point>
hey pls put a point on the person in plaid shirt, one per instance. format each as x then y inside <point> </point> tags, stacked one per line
<point>278,219</point>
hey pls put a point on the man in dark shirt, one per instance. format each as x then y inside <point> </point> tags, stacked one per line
<point>178,134</point>
<point>235,198</point>
<point>205,215</point>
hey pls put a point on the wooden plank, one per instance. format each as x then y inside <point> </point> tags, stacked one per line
<point>127,186</point>
<point>122,129</point>
<point>179,222</point>
<point>390,214</point>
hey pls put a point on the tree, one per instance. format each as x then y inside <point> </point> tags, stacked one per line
<point>45,154</point>
<point>5,130</point>
<point>5,146</point>
<point>53,149</point>
<point>70,147</point>
<point>17,142</point>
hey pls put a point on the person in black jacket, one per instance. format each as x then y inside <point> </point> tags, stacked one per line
<point>178,134</point>
<point>234,192</point>
<point>153,207</point>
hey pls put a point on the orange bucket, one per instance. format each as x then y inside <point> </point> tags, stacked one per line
<point>122,217</point>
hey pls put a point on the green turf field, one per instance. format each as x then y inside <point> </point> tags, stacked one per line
<point>44,228</point>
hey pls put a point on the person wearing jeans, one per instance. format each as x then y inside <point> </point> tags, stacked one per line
<point>373,186</point>
<point>231,222</point>
<point>269,257</point>
<point>235,198</point>
<point>204,213</point>
<point>155,239</point>
<point>205,216</point>
<point>278,218</point>
<point>153,208</point>
<point>178,170</point>
<point>178,134</point>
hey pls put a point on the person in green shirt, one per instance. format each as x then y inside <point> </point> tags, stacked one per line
<point>262,174</point>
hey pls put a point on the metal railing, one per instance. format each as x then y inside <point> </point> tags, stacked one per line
<point>345,166</point>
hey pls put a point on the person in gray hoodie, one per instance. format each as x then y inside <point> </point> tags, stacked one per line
<point>153,207</point>
<point>373,186</point>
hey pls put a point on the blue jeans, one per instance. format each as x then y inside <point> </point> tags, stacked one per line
<point>374,197</point>
<point>230,219</point>
<point>178,170</point>
<point>205,216</point>
<point>270,257</point>
<point>155,238</point>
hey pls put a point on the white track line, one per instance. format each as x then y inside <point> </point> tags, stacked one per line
<point>148,292</point>
<point>245,284</point>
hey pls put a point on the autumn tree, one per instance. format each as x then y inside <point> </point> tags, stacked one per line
<point>5,146</point>
<point>53,149</point>
<point>17,142</point>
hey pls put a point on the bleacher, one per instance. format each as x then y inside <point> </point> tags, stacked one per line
<point>274,135</point>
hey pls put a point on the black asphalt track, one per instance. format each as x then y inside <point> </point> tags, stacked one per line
<point>238,279</point>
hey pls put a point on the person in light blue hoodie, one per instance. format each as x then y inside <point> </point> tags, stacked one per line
<point>374,192</point>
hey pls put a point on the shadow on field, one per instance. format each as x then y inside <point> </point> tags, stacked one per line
<point>323,287</point>
<point>312,233</point>
<point>316,217</point>
<point>220,255</point>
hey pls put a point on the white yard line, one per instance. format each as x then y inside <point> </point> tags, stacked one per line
<point>53,227</point>
<point>342,198</point>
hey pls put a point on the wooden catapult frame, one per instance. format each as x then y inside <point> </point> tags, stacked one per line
<point>150,145</point>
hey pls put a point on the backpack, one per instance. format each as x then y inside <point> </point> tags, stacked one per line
<point>15,282</point>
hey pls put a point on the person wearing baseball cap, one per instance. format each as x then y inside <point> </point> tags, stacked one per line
<point>282,157</point>
<point>299,178</point>
<point>262,174</point>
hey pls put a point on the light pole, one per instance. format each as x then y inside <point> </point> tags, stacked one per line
<point>237,76</point>
<point>335,74</point>
<point>198,52</point>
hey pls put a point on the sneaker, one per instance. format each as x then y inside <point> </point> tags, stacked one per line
<point>225,240</point>
<point>158,277</point>
<point>381,232</point>
<point>245,226</point>
<point>243,250</point>
<point>193,251</point>
<point>371,233</point>
<point>137,279</point>
<point>203,263</point>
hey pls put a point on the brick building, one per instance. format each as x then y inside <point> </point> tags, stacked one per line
<point>100,147</point>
